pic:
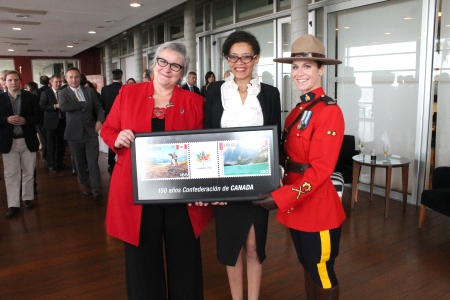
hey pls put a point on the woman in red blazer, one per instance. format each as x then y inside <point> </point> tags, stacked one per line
<point>158,105</point>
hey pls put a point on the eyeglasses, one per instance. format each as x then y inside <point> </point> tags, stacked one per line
<point>173,66</point>
<point>245,59</point>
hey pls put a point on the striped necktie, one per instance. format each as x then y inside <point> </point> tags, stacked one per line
<point>77,91</point>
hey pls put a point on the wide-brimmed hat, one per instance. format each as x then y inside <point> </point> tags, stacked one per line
<point>308,47</point>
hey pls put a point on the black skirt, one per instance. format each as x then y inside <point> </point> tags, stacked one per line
<point>233,222</point>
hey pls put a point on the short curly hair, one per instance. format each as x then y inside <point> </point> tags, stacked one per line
<point>240,37</point>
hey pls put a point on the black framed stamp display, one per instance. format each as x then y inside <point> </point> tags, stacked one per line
<point>229,164</point>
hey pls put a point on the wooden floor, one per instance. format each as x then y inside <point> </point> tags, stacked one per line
<point>59,250</point>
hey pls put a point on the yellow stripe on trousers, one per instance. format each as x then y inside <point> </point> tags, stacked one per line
<point>325,256</point>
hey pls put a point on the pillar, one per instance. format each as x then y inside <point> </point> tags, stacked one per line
<point>189,33</point>
<point>108,62</point>
<point>137,40</point>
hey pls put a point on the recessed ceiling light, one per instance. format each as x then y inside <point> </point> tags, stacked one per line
<point>11,50</point>
<point>23,16</point>
<point>69,46</point>
<point>269,42</point>
<point>92,32</point>
<point>135,4</point>
<point>17,28</point>
<point>387,33</point>
<point>347,27</point>
<point>407,18</point>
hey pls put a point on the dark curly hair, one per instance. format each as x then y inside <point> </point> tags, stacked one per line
<point>240,37</point>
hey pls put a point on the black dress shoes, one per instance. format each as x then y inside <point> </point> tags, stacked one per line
<point>28,204</point>
<point>53,169</point>
<point>12,211</point>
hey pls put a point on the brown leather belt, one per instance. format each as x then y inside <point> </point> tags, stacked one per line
<point>292,166</point>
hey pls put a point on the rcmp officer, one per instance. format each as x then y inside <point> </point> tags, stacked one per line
<point>307,202</point>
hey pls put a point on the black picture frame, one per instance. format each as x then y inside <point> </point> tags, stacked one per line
<point>229,164</point>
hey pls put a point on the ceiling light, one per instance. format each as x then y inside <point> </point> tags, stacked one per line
<point>135,4</point>
<point>17,28</point>
<point>23,16</point>
<point>11,50</point>
<point>387,33</point>
<point>407,18</point>
<point>92,32</point>
<point>69,46</point>
<point>346,27</point>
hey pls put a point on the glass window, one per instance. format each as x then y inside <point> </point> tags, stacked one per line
<point>159,33</point>
<point>223,13</point>
<point>286,4</point>
<point>52,66</point>
<point>249,9</point>
<point>199,20</point>
<point>124,46</point>
<point>176,27</point>
<point>6,64</point>
<point>440,112</point>
<point>208,25</point>
<point>151,37</point>
<point>144,38</point>
<point>377,84</point>
<point>266,66</point>
<point>114,50</point>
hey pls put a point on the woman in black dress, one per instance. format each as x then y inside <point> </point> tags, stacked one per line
<point>241,101</point>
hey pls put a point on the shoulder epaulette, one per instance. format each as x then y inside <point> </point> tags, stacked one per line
<point>328,100</point>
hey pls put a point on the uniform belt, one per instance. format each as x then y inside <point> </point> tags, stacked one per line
<point>292,166</point>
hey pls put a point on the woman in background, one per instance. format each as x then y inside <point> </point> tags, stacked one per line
<point>209,77</point>
<point>131,81</point>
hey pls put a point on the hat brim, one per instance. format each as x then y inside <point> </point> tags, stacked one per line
<point>325,61</point>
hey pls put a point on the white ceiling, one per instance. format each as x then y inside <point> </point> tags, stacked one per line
<point>52,25</point>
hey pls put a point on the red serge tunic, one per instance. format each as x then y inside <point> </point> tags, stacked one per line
<point>132,110</point>
<point>309,202</point>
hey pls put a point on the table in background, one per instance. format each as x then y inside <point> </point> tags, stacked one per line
<point>392,161</point>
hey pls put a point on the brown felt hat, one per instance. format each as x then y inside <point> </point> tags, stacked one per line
<point>308,47</point>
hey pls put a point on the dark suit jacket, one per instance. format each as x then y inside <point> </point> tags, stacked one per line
<point>186,87</point>
<point>109,94</point>
<point>30,111</point>
<point>80,115</point>
<point>269,99</point>
<point>51,115</point>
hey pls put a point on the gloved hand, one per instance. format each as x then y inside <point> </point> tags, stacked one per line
<point>266,201</point>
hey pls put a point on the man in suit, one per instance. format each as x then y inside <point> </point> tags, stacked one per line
<point>84,118</point>
<point>190,84</point>
<point>44,81</point>
<point>3,81</point>
<point>54,125</point>
<point>19,114</point>
<point>108,95</point>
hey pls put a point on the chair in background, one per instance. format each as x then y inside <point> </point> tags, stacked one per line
<point>438,198</point>
<point>344,164</point>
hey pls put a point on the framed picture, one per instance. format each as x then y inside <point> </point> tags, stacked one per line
<point>231,164</point>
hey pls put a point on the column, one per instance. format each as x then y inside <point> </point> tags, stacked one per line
<point>108,62</point>
<point>299,27</point>
<point>189,33</point>
<point>137,40</point>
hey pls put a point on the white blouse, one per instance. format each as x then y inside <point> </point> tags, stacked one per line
<point>236,114</point>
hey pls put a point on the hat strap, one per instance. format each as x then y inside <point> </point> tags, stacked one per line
<point>307,54</point>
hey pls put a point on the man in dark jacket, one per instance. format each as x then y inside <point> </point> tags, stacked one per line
<point>108,95</point>
<point>19,114</point>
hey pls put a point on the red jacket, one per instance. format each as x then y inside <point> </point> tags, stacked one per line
<point>309,202</point>
<point>132,110</point>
